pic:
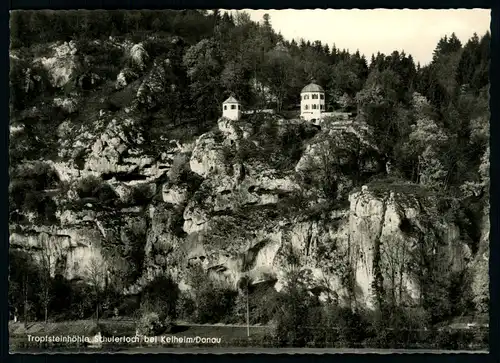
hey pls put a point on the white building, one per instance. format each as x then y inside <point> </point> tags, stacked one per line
<point>312,102</point>
<point>231,109</point>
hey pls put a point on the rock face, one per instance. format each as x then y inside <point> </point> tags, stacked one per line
<point>118,152</point>
<point>384,233</point>
<point>139,56</point>
<point>62,64</point>
<point>241,217</point>
<point>73,252</point>
<point>67,104</point>
<point>126,76</point>
<point>175,195</point>
<point>207,157</point>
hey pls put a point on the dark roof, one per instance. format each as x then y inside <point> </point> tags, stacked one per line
<point>312,87</point>
<point>231,100</point>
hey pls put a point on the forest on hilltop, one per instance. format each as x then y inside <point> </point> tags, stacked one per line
<point>159,78</point>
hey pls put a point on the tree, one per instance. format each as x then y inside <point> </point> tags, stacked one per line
<point>18,28</point>
<point>469,60</point>
<point>380,103</point>
<point>430,264</point>
<point>242,18</point>
<point>278,74</point>
<point>481,75</point>
<point>343,81</point>
<point>97,277</point>
<point>295,303</point>
<point>132,20</point>
<point>244,285</point>
<point>427,144</point>
<point>396,257</point>
<point>446,46</point>
<point>160,296</point>
<point>235,81</point>
<point>202,62</point>
<point>22,283</point>
<point>46,264</point>
<point>213,302</point>
<point>157,24</point>
<point>267,21</point>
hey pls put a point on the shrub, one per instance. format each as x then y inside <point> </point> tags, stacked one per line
<point>179,172</point>
<point>186,306</point>
<point>106,194</point>
<point>121,99</point>
<point>39,175</point>
<point>27,190</point>
<point>79,159</point>
<point>160,296</point>
<point>352,327</point>
<point>141,194</point>
<point>150,324</point>
<point>87,187</point>
<point>128,306</point>
<point>214,304</point>
<point>93,187</point>
<point>293,315</point>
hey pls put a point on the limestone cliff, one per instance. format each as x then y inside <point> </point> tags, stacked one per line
<point>239,198</point>
<point>239,219</point>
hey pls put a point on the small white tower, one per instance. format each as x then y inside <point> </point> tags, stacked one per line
<point>231,109</point>
<point>312,102</point>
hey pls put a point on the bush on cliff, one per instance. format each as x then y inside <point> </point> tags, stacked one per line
<point>96,188</point>
<point>180,170</point>
<point>141,194</point>
<point>27,191</point>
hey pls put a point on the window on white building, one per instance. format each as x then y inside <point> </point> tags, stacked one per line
<point>233,107</point>
<point>314,97</point>
<point>225,107</point>
<point>313,107</point>
<point>306,107</point>
<point>322,96</point>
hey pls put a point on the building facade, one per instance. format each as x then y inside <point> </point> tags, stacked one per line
<point>231,109</point>
<point>312,102</point>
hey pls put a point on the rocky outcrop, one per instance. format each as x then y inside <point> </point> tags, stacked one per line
<point>139,56</point>
<point>71,252</point>
<point>234,130</point>
<point>176,195</point>
<point>67,104</point>
<point>124,78</point>
<point>235,220</point>
<point>118,151</point>
<point>377,234</point>
<point>62,64</point>
<point>208,157</point>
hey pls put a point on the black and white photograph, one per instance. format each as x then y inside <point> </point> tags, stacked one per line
<point>249,181</point>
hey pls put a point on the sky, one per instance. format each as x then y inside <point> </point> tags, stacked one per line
<point>370,31</point>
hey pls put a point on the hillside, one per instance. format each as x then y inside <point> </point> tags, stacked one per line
<point>124,176</point>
